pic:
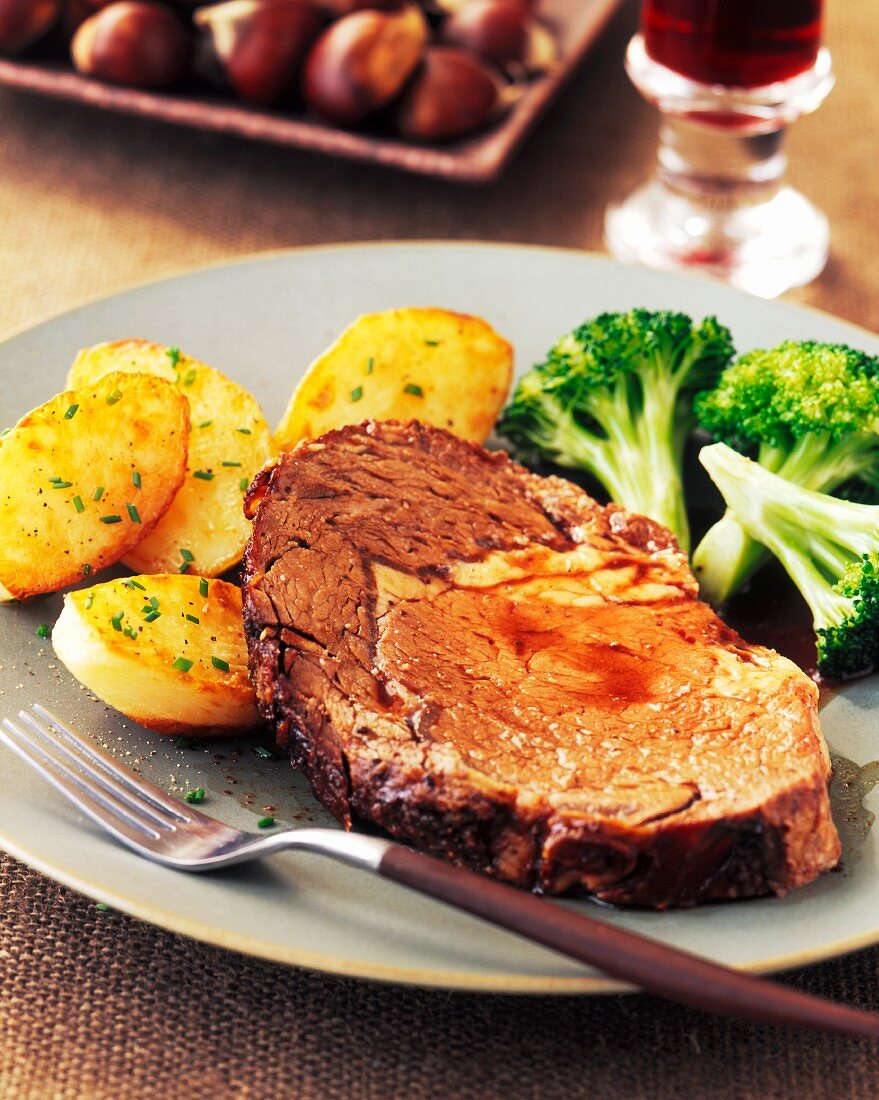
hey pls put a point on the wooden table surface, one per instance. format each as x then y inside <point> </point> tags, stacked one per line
<point>95,1005</point>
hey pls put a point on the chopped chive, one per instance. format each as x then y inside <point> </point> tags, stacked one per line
<point>78,504</point>
<point>132,583</point>
<point>219,663</point>
<point>192,619</point>
<point>230,463</point>
<point>195,796</point>
<point>414,389</point>
<point>206,423</point>
<point>116,620</point>
<point>89,600</point>
<point>243,483</point>
<point>57,483</point>
<point>244,431</point>
<point>113,397</point>
<point>183,566</point>
<point>98,493</point>
<point>130,632</point>
<point>152,616</point>
<point>154,603</point>
<point>357,393</point>
<point>43,630</point>
<point>71,412</point>
<point>370,366</point>
<point>205,475</point>
<point>182,743</point>
<point>102,907</point>
<point>135,478</point>
<point>173,355</point>
<point>111,519</point>
<point>265,823</point>
<point>263,753</point>
<point>187,555</point>
<point>5,432</point>
<point>133,513</point>
<point>202,586</point>
<point>189,377</point>
<point>432,343</point>
<point>86,570</point>
<point>182,664</point>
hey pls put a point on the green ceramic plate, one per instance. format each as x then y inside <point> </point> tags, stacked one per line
<point>262,321</point>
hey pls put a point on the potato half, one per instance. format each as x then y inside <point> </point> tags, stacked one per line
<point>167,650</point>
<point>204,529</point>
<point>445,369</point>
<point>85,477</point>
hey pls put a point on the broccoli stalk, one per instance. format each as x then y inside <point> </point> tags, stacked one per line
<point>828,547</point>
<point>806,411</point>
<point>614,397</point>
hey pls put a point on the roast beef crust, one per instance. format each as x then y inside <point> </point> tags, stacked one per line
<point>333,673</point>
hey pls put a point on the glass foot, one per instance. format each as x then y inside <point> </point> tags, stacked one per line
<point>764,248</point>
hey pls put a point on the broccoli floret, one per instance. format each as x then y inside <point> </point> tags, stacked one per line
<point>829,547</point>
<point>806,411</point>
<point>614,397</point>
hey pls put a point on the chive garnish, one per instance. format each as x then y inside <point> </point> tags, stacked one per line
<point>219,663</point>
<point>98,493</point>
<point>195,796</point>
<point>205,475</point>
<point>135,478</point>
<point>152,616</point>
<point>206,423</point>
<point>116,620</point>
<point>89,600</point>
<point>5,433</point>
<point>183,566</point>
<point>57,483</point>
<point>202,586</point>
<point>189,377</point>
<point>71,412</point>
<point>78,504</point>
<point>173,355</point>
<point>86,570</point>
<point>370,366</point>
<point>111,519</point>
<point>154,603</point>
<point>43,630</point>
<point>265,823</point>
<point>357,393</point>
<point>132,583</point>
<point>187,555</point>
<point>432,343</point>
<point>133,513</point>
<point>243,483</point>
<point>102,907</point>
<point>414,389</point>
<point>244,431</point>
<point>113,397</point>
<point>130,632</point>
<point>182,664</point>
<point>192,619</point>
<point>230,463</point>
<point>263,753</point>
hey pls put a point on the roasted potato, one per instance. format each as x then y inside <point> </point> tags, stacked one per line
<point>166,650</point>
<point>446,369</point>
<point>85,477</point>
<point>204,529</point>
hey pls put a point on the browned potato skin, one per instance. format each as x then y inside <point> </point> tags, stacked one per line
<point>23,22</point>
<point>134,42</point>
<point>260,44</point>
<point>361,63</point>
<point>453,94</point>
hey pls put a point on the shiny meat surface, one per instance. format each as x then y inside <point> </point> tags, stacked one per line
<point>494,668</point>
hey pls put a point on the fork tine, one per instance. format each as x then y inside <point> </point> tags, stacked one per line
<point>99,806</point>
<point>68,739</point>
<point>145,808</point>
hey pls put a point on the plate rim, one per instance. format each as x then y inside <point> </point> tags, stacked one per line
<point>285,954</point>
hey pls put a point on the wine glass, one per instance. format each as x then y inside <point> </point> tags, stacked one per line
<point>729,76</point>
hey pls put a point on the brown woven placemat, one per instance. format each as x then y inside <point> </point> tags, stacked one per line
<point>96,1005</point>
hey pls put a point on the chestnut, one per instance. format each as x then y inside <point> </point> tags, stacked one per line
<point>501,31</point>
<point>453,94</point>
<point>23,22</point>
<point>75,12</point>
<point>337,8</point>
<point>361,63</point>
<point>259,44</point>
<point>136,42</point>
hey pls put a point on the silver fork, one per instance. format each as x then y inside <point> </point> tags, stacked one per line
<point>147,820</point>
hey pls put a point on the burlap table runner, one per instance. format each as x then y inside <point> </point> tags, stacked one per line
<point>94,1004</point>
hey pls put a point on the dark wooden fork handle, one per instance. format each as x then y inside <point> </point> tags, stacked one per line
<point>654,967</point>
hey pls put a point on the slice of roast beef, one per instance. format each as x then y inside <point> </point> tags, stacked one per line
<point>497,670</point>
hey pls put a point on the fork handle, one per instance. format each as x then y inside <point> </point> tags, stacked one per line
<point>654,967</point>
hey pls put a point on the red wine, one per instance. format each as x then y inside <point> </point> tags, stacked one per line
<point>735,42</point>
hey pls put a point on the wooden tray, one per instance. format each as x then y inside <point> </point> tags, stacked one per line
<point>479,159</point>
